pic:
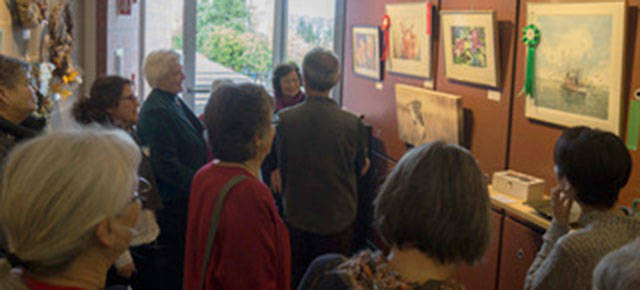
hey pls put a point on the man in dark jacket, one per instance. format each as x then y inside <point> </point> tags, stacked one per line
<point>174,137</point>
<point>321,151</point>
<point>17,102</point>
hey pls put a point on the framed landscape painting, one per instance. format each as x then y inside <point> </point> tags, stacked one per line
<point>410,38</point>
<point>366,51</point>
<point>578,64</point>
<point>470,47</point>
<point>426,115</point>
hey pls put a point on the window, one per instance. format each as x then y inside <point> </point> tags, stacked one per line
<point>310,24</point>
<point>234,39</point>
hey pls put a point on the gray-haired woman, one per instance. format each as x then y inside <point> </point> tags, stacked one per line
<point>67,209</point>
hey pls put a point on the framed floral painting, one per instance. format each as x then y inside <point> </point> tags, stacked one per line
<point>470,47</point>
<point>366,51</point>
<point>410,38</point>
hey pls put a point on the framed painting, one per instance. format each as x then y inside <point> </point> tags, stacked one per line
<point>579,64</point>
<point>366,51</point>
<point>470,47</point>
<point>410,38</point>
<point>426,115</point>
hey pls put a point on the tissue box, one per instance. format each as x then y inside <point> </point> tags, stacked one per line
<point>520,185</point>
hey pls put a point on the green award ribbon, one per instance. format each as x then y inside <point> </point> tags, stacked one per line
<point>531,38</point>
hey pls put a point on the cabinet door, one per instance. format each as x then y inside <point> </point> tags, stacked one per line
<point>520,244</point>
<point>483,275</point>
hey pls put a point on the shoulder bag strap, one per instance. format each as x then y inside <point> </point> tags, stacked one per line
<point>215,219</point>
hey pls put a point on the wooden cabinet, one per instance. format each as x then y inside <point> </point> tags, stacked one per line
<point>520,244</point>
<point>483,275</point>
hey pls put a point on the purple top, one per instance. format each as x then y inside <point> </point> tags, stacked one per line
<point>281,104</point>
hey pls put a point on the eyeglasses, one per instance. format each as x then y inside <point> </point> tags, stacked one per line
<point>144,186</point>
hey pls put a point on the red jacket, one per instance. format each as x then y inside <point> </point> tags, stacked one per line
<point>251,247</point>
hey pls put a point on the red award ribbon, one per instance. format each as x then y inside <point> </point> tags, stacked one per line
<point>386,23</point>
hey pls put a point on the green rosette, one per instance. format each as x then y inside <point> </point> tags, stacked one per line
<point>531,38</point>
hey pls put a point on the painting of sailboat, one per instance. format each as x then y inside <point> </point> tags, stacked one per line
<point>578,64</point>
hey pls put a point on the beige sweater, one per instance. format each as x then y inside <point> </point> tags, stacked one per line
<point>566,260</point>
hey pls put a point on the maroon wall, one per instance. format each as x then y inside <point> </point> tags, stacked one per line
<point>498,133</point>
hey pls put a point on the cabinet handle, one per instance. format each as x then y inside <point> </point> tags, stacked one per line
<point>520,254</point>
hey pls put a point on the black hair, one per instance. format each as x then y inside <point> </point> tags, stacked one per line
<point>596,163</point>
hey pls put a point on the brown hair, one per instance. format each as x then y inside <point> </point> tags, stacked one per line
<point>234,116</point>
<point>436,200</point>
<point>105,94</point>
<point>279,72</point>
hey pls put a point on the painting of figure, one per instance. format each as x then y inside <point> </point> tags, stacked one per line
<point>409,38</point>
<point>406,45</point>
<point>578,64</point>
<point>366,51</point>
<point>425,115</point>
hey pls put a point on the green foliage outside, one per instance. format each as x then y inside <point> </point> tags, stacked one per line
<point>318,34</point>
<point>226,35</point>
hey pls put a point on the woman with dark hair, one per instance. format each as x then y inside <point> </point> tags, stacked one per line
<point>433,211</point>
<point>112,103</point>
<point>591,167</point>
<point>235,237</point>
<point>286,82</point>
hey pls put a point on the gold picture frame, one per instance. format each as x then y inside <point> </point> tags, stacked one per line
<point>410,38</point>
<point>470,47</point>
<point>579,64</point>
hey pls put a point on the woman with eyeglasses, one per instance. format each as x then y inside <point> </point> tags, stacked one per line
<point>65,222</point>
<point>112,103</point>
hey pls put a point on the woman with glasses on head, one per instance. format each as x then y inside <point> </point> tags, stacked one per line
<point>67,209</point>
<point>112,103</point>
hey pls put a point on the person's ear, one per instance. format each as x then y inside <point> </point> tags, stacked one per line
<point>105,233</point>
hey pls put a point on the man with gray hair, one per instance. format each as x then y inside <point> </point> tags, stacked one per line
<point>174,137</point>
<point>321,151</point>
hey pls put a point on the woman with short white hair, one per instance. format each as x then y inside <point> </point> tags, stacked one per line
<point>619,269</point>
<point>67,208</point>
<point>174,136</point>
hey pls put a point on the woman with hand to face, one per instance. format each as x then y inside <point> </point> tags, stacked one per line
<point>591,167</point>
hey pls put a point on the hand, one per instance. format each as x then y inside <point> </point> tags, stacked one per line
<point>365,168</point>
<point>561,204</point>
<point>276,181</point>
<point>127,270</point>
